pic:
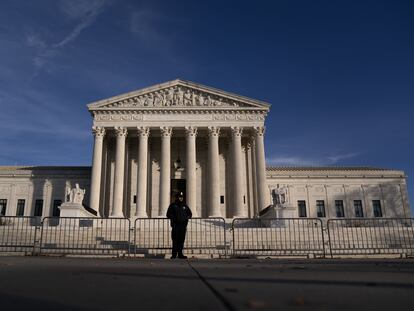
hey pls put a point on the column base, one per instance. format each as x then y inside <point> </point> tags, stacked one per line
<point>117,216</point>
<point>240,216</point>
<point>140,216</point>
<point>215,216</point>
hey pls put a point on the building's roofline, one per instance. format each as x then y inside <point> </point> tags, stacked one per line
<point>332,172</point>
<point>326,168</point>
<point>100,103</point>
<point>43,168</point>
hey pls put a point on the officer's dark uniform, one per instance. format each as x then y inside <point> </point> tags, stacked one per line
<point>179,213</point>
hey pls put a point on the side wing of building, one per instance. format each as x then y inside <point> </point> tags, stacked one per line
<point>330,192</point>
<point>39,190</point>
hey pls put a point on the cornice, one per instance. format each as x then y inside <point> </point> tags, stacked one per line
<point>214,114</point>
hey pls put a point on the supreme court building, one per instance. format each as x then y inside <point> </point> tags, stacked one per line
<point>209,144</point>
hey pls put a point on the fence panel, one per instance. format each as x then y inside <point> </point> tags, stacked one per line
<point>18,233</point>
<point>278,237</point>
<point>369,236</point>
<point>85,236</point>
<point>204,236</point>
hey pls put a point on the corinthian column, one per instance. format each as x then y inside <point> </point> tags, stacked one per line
<point>239,211</point>
<point>99,133</point>
<point>214,171</point>
<point>262,193</point>
<point>165,177</point>
<point>141,210</point>
<point>190,134</point>
<point>121,133</point>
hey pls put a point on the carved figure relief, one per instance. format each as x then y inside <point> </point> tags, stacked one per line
<point>177,96</point>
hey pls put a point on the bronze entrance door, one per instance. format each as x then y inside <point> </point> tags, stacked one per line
<point>177,185</point>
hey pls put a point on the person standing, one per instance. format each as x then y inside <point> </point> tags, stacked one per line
<point>179,213</point>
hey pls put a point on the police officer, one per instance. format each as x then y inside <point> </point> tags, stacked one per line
<point>179,213</point>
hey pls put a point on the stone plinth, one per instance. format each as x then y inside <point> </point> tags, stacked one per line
<point>69,209</point>
<point>279,211</point>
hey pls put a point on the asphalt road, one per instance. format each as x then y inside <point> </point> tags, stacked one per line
<point>31,283</point>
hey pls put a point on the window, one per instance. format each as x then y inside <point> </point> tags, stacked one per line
<point>222,199</point>
<point>56,210</point>
<point>20,207</point>
<point>302,208</point>
<point>358,208</point>
<point>339,208</point>
<point>320,208</point>
<point>135,199</point>
<point>376,205</point>
<point>38,208</point>
<point>3,205</point>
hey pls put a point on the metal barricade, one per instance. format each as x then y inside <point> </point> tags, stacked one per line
<point>205,236</point>
<point>85,236</point>
<point>18,233</point>
<point>278,237</point>
<point>370,236</point>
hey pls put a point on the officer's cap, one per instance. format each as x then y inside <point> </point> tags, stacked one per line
<point>179,194</point>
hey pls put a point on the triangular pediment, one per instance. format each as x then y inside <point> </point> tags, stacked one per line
<point>178,94</point>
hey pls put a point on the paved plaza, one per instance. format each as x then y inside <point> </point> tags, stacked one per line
<point>53,283</point>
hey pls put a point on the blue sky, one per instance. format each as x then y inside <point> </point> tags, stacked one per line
<point>339,74</point>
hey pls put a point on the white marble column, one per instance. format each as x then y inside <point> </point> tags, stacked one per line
<point>121,133</point>
<point>238,210</point>
<point>99,133</point>
<point>262,191</point>
<point>214,171</point>
<point>165,172</point>
<point>191,134</point>
<point>142,165</point>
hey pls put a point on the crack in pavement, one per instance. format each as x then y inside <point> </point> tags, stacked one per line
<point>214,291</point>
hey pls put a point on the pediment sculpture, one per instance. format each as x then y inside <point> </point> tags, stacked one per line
<point>177,96</point>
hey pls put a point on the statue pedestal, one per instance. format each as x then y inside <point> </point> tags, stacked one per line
<point>279,211</point>
<point>69,209</point>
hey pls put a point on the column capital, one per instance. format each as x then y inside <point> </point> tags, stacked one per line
<point>120,131</point>
<point>259,130</point>
<point>166,131</point>
<point>236,131</point>
<point>190,131</point>
<point>98,131</point>
<point>143,131</point>
<point>213,131</point>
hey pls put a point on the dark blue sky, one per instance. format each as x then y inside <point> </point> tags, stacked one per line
<point>339,74</point>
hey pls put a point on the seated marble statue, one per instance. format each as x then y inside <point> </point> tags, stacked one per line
<point>75,195</point>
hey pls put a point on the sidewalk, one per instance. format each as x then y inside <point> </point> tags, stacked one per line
<point>144,284</point>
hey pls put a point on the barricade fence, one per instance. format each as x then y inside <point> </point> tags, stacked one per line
<point>370,236</point>
<point>208,236</point>
<point>18,234</point>
<point>278,237</point>
<point>205,236</point>
<point>85,236</point>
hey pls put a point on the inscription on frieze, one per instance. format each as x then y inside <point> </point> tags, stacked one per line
<point>177,117</point>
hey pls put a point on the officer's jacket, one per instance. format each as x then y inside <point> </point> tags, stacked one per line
<point>179,213</point>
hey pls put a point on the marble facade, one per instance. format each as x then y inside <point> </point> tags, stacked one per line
<point>179,130</point>
<point>182,136</point>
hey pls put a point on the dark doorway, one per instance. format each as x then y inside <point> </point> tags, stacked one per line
<point>177,185</point>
